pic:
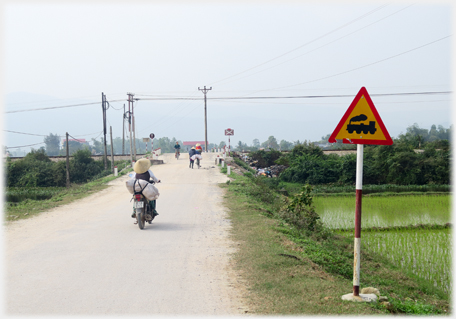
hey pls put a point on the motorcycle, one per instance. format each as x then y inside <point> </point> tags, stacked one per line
<point>197,158</point>
<point>143,211</point>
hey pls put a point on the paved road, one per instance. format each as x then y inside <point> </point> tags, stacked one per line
<point>88,258</point>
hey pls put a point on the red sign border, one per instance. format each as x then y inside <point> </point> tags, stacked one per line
<point>362,91</point>
<point>229,134</point>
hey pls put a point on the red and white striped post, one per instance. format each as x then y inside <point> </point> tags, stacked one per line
<point>229,146</point>
<point>377,135</point>
<point>151,135</point>
<point>359,195</point>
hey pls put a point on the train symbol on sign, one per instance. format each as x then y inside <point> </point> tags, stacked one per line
<point>358,128</point>
<point>361,124</point>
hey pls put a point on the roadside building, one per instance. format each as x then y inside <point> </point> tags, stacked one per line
<point>188,145</point>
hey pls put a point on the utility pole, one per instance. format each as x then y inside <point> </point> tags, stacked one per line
<point>104,108</point>
<point>205,113</point>
<point>134,130</point>
<point>67,162</point>
<point>112,151</point>
<point>132,114</point>
<point>123,132</point>
<point>130,100</point>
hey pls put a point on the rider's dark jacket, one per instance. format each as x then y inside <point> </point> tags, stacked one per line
<point>192,152</point>
<point>144,176</point>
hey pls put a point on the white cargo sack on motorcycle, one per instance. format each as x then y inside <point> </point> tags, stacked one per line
<point>148,190</point>
<point>194,157</point>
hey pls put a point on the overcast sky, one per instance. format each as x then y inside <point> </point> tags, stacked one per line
<point>65,54</point>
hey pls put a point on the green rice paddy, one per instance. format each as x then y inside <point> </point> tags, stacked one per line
<point>426,253</point>
<point>339,212</point>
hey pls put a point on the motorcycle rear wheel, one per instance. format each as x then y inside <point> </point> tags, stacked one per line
<point>140,218</point>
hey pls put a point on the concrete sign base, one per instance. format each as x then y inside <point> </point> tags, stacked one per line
<point>361,297</point>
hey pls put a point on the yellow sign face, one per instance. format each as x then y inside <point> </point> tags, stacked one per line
<point>361,124</point>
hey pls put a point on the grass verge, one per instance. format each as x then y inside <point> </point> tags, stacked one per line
<point>290,273</point>
<point>28,208</point>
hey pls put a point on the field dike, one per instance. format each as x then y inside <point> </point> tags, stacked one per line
<point>288,271</point>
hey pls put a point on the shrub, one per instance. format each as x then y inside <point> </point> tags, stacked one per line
<point>35,169</point>
<point>83,167</point>
<point>299,211</point>
<point>37,155</point>
<point>383,164</point>
<point>265,159</point>
<point>59,173</point>
<point>313,169</point>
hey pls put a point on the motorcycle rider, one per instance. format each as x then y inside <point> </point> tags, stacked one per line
<point>198,148</point>
<point>143,172</point>
<point>177,149</point>
<point>199,151</point>
<point>190,154</point>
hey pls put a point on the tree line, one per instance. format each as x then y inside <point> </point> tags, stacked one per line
<point>37,170</point>
<point>55,146</point>
<point>414,136</point>
<point>399,164</point>
<point>306,163</point>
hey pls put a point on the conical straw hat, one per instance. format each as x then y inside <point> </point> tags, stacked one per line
<point>141,166</point>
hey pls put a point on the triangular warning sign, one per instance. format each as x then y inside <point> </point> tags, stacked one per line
<point>361,124</point>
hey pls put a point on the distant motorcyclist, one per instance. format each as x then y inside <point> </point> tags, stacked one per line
<point>143,172</point>
<point>197,157</point>
<point>190,154</point>
<point>177,149</point>
<point>198,148</point>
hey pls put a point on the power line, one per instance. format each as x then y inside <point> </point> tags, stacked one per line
<point>301,96</point>
<point>325,103</point>
<point>47,135</point>
<point>58,107</point>
<point>180,107</point>
<point>51,100</point>
<point>25,145</point>
<point>99,132</point>
<point>324,45</point>
<point>25,133</point>
<point>172,98</point>
<point>180,119</point>
<point>325,96</point>
<point>305,44</point>
<point>121,108</point>
<point>361,67</point>
<point>74,137</point>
